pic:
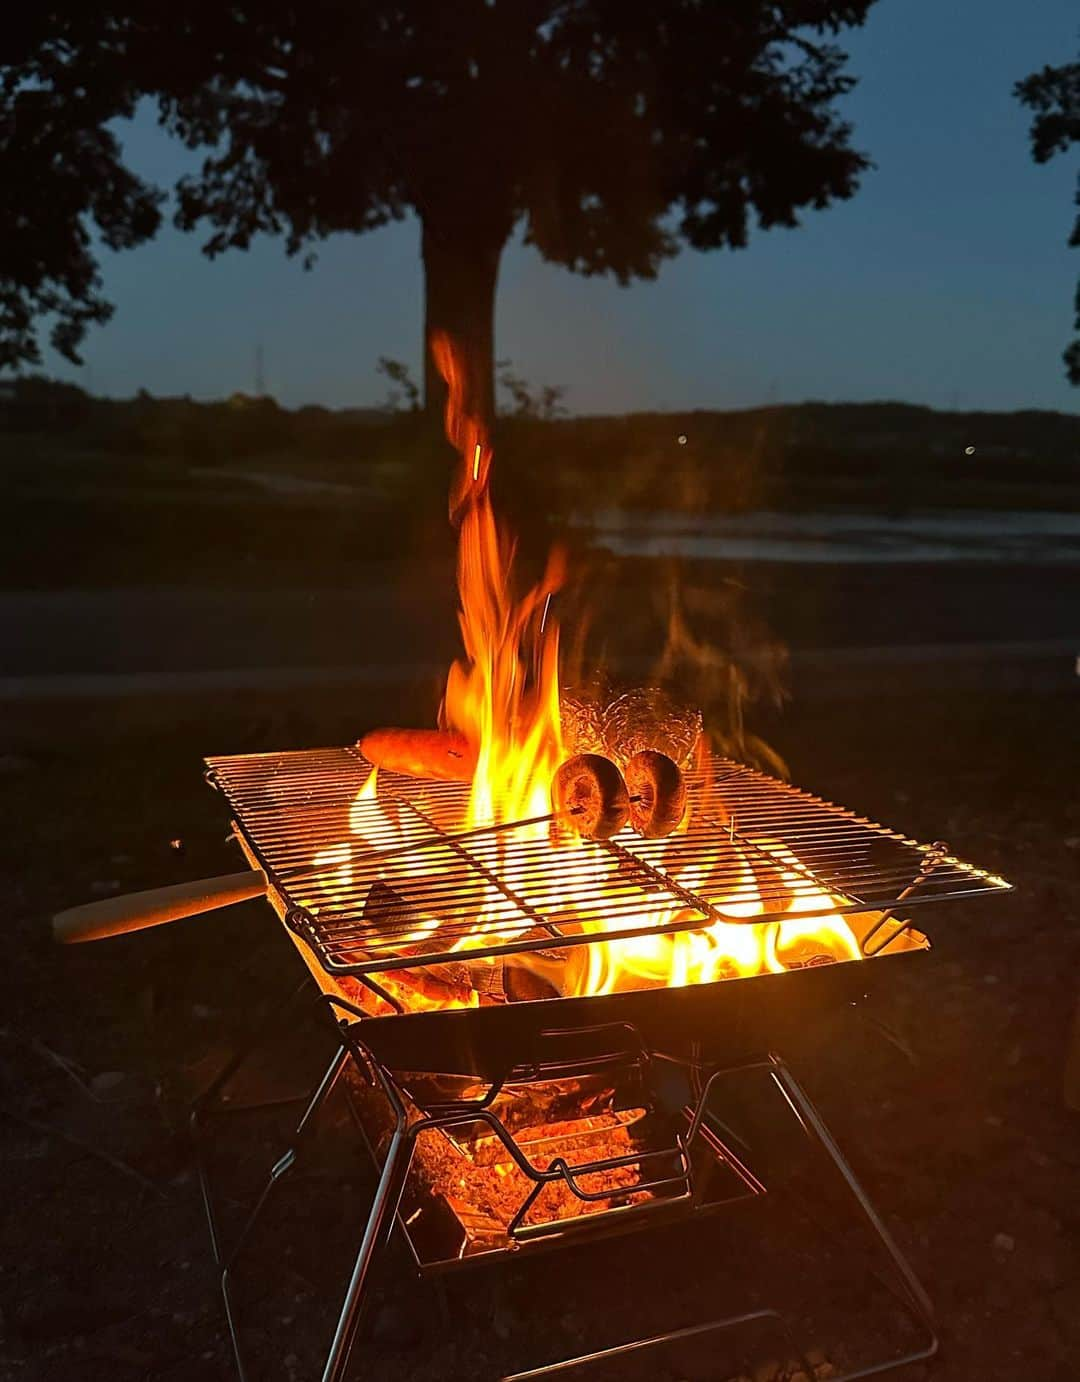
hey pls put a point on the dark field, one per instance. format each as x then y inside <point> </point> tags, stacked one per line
<point>382,616</point>
<point>168,613</point>
<point>946,1092</point>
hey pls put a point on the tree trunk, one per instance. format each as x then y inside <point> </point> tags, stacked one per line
<point>461,267</point>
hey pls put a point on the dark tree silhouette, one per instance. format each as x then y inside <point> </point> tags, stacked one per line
<point>546,404</point>
<point>402,384</point>
<point>611,133</point>
<point>63,177</point>
<point>1054,95</point>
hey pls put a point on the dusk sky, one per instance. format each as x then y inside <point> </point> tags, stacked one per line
<point>946,280</point>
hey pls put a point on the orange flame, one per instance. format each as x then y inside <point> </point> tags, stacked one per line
<point>727,950</point>
<point>465,432</point>
<point>503,695</point>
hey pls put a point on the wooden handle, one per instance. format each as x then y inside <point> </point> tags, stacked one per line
<point>114,916</point>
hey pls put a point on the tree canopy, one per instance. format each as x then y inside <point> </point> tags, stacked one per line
<point>609,134</point>
<point>64,180</point>
<point>1054,96</point>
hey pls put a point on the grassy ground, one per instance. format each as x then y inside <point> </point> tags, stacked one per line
<point>948,1096</point>
<point>949,1101</point>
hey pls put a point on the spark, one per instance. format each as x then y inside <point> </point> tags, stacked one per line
<point>543,617</point>
<point>476,462</point>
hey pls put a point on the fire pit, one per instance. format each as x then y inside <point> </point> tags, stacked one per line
<point>539,1037</point>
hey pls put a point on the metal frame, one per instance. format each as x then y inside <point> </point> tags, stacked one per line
<point>394,883</point>
<point>687,1193</point>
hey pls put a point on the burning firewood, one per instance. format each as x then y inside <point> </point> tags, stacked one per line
<point>496,1192</point>
<point>470,1170</point>
<point>419,989</point>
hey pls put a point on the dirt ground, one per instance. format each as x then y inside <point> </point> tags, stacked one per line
<point>946,1092</point>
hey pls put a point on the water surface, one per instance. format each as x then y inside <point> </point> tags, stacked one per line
<point>1039,538</point>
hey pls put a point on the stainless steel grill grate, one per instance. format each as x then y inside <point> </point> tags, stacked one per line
<point>383,884</point>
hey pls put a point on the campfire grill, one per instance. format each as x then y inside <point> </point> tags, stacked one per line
<point>599,1112</point>
<point>351,877</point>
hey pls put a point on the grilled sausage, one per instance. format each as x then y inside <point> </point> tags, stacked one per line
<point>437,753</point>
<point>589,795</point>
<point>657,793</point>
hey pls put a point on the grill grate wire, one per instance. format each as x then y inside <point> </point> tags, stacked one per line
<point>755,850</point>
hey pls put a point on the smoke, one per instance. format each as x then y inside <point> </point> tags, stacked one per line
<point>733,666</point>
<point>647,655</point>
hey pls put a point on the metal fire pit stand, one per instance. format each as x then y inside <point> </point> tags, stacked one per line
<point>669,1173</point>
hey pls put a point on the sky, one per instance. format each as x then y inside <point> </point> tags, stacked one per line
<point>946,280</point>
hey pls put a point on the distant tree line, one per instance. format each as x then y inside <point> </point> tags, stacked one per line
<point>545,403</point>
<point>891,455</point>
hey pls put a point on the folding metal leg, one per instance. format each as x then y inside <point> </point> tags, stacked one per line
<point>376,1235</point>
<point>387,1194</point>
<point>816,1128</point>
<point>209,1103</point>
<point>392,1179</point>
<point>661,1341</point>
<point>280,1168</point>
<point>910,1293</point>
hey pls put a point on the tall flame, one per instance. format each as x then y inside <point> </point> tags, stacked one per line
<point>503,695</point>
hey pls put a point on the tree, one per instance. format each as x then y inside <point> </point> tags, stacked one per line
<point>547,404</point>
<point>610,133</point>
<point>1054,95</point>
<point>63,177</point>
<point>401,383</point>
